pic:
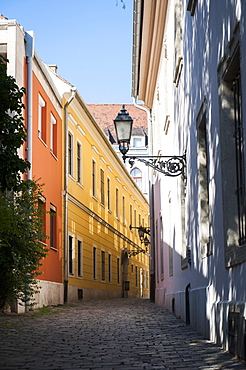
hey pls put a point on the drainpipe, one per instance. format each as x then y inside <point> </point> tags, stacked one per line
<point>29,51</point>
<point>65,194</point>
<point>151,201</point>
<point>29,38</point>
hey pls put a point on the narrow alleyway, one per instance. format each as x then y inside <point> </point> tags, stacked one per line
<point>112,334</point>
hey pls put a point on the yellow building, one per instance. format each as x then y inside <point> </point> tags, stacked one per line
<point>101,201</point>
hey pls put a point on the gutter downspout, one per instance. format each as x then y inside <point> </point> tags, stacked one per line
<point>65,194</point>
<point>151,201</point>
<point>29,38</point>
<point>29,51</point>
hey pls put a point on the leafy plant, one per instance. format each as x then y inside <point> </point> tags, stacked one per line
<point>12,130</point>
<point>20,248</point>
<point>20,228</point>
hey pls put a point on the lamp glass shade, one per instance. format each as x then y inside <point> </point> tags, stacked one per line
<point>141,233</point>
<point>123,126</point>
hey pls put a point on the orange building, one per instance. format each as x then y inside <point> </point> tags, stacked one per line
<point>43,118</point>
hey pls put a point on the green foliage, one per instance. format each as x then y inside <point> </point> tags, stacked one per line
<point>20,249</point>
<point>20,227</point>
<point>12,130</point>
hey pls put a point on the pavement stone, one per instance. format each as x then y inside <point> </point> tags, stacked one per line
<point>110,334</point>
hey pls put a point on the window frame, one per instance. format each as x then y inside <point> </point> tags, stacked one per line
<point>94,179</point>
<point>79,162</point>
<point>79,257</point>
<point>53,135</point>
<point>102,186</point>
<point>103,265</point>
<point>71,254</point>
<point>53,227</point>
<point>70,153</point>
<point>94,262</point>
<point>41,118</point>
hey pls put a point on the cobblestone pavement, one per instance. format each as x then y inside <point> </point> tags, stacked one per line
<point>111,334</point>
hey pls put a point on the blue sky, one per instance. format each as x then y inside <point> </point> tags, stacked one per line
<point>89,40</point>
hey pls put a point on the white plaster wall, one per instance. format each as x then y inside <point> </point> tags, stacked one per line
<point>213,287</point>
<point>50,294</point>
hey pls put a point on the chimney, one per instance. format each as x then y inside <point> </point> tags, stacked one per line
<point>53,67</point>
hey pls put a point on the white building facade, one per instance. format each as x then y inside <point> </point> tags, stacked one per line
<point>189,63</point>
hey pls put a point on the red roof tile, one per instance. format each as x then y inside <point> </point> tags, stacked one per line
<point>105,114</point>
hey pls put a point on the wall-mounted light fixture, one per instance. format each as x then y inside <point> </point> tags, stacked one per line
<point>143,238</point>
<point>168,165</point>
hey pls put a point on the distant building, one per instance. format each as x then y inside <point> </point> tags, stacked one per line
<point>105,115</point>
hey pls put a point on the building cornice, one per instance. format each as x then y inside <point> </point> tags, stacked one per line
<point>148,47</point>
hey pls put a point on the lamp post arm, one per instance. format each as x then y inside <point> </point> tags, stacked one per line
<point>170,166</point>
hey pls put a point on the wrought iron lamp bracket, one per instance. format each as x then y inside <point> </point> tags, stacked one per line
<point>171,166</point>
<point>134,253</point>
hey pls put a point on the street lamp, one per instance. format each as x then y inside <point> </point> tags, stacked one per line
<point>123,126</point>
<point>141,231</point>
<point>144,239</point>
<point>170,166</point>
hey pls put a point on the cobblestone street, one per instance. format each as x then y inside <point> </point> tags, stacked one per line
<point>111,334</point>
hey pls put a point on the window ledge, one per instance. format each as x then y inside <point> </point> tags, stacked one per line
<point>80,185</point>
<point>71,178</point>
<point>54,249</point>
<point>43,142</point>
<point>44,244</point>
<point>53,155</point>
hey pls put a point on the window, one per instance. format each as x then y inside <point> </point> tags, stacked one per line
<point>108,193</point>
<point>203,195</point>
<point>109,268</point>
<point>41,118</point>
<point>70,154</point>
<point>178,40</point>
<point>130,214</point>
<point>3,50</point>
<point>136,275</point>
<point>137,142</point>
<point>79,162</point>
<point>94,263</point>
<point>93,178</point>
<point>53,227</point>
<point>240,157</point>
<point>161,249</point>
<point>135,220</point>
<point>53,135</point>
<point>103,265</point>
<point>137,176</point>
<point>80,260</point>
<point>70,254</point>
<point>185,254</point>
<point>232,153</point>
<point>191,7</point>
<point>117,203</point>
<point>124,209</point>
<point>42,218</point>
<point>118,270</point>
<point>102,186</point>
